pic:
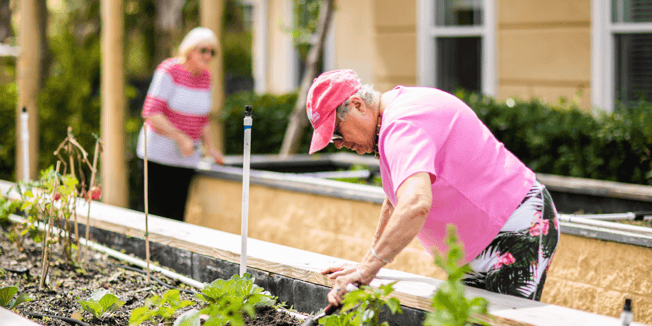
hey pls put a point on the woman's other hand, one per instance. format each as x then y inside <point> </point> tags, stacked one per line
<point>186,145</point>
<point>216,155</point>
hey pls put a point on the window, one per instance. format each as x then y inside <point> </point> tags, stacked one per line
<point>457,45</point>
<point>622,52</point>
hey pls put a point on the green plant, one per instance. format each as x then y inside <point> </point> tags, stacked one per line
<point>228,300</point>
<point>362,307</point>
<point>100,303</point>
<point>163,307</point>
<point>451,307</point>
<point>6,295</point>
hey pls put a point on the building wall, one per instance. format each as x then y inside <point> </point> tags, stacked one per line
<point>586,274</point>
<point>396,41</point>
<point>544,49</point>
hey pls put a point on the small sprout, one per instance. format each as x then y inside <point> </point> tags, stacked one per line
<point>6,295</point>
<point>100,302</point>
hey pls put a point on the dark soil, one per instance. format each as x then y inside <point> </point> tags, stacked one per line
<point>23,269</point>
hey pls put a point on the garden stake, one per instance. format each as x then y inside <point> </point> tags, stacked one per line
<point>24,137</point>
<point>146,204</point>
<point>98,144</point>
<point>245,189</point>
<point>45,261</point>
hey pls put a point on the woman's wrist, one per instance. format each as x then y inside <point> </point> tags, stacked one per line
<point>375,255</point>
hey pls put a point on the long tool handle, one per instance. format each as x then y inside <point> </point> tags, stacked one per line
<point>245,189</point>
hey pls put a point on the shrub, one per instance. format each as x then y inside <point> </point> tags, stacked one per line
<point>565,140</point>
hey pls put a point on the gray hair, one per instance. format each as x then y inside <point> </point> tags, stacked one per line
<point>368,95</point>
<point>195,37</point>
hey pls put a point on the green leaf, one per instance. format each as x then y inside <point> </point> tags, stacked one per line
<point>24,297</point>
<point>188,318</point>
<point>6,293</point>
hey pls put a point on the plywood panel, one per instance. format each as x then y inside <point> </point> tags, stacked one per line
<point>549,11</point>
<point>561,54</point>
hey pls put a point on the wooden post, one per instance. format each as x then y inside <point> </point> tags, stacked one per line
<point>28,78</point>
<point>114,168</point>
<point>211,17</point>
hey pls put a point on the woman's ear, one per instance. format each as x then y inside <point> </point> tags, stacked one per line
<point>357,102</point>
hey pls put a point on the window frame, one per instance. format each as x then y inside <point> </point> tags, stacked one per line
<point>428,33</point>
<point>603,57</point>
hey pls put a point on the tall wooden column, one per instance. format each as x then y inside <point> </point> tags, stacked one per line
<point>113,166</point>
<point>28,74</point>
<point>211,17</point>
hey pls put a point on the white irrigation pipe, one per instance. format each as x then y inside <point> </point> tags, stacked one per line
<point>24,138</point>
<point>604,224</point>
<point>620,216</point>
<point>245,189</point>
<point>132,260</point>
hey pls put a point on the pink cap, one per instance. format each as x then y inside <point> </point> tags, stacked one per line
<point>327,92</point>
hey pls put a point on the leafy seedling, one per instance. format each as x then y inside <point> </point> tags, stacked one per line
<point>6,295</point>
<point>164,307</point>
<point>100,302</point>
<point>230,299</point>
<point>362,307</point>
<point>451,307</point>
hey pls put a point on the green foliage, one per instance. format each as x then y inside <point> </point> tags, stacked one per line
<point>306,19</point>
<point>6,295</point>
<point>229,300</point>
<point>451,307</point>
<point>270,119</point>
<point>164,307</point>
<point>362,307</point>
<point>100,303</point>
<point>8,98</point>
<point>7,207</point>
<point>565,140</point>
<point>39,204</point>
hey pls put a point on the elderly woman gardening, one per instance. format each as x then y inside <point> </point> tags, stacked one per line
<point>439,164</point>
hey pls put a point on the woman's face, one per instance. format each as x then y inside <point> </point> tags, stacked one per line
<point>201,56</point>
<point>358,131</point>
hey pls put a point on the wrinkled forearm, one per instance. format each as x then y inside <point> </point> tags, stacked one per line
<point>164,126</point>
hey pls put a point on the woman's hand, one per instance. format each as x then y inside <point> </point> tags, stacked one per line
<point>186,145</point>
<point>216,155</point>
<point>343,275</point>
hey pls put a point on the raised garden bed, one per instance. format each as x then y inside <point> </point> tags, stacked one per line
<point>288,273</point>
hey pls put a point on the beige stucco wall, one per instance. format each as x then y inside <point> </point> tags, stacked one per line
<point>314,223</point>
<point>586,274</point>
<point>544,49</point>
<point>597,275</point>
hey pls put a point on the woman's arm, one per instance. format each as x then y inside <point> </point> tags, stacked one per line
<point>165,127</point>
<point>405,222</point>
<point>208,143</point>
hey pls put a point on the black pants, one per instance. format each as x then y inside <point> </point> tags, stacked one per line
<point>168,189</point>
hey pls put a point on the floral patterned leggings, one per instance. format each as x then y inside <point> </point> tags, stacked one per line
<point>517,260</point>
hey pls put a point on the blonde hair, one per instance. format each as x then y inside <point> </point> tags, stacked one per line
<point>195,37</point>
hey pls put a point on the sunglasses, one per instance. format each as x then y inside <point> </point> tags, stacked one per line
<point>336,135</point>
<point>207,50</point>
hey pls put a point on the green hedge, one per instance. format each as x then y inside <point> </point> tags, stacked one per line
<point>565,140</point>
<point>270,114</point>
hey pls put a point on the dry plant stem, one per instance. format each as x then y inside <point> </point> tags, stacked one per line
<point>146,173</point>
<point>88,200</point>
<point>45,261</point>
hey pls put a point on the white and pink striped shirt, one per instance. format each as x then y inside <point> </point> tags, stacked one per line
<point>185,100</point>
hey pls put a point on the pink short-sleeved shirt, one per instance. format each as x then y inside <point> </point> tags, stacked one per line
<point>476,182</point>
